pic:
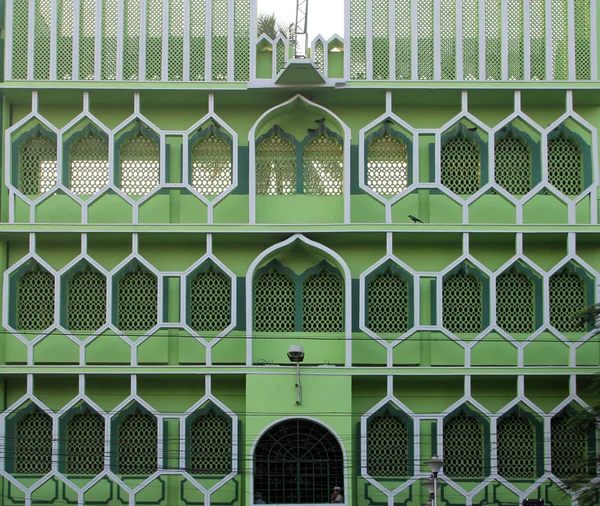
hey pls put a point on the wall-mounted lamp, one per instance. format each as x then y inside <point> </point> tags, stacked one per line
<point>296,354</point>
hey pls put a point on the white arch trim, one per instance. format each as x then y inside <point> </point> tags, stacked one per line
<point>300,417</point>
<point>347,292</point>
<point>252,155</point>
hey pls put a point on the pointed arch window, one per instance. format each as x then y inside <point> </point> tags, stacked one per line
<point>465,301</point>
<point>137,300</point>
<point>516,161</point>
<point>520,445</point>
<point>569,162</point>
<point>389,302</point>
<point>137,443</point>
<point>209,433</point>
<point>570,293</point>
<point>518,295</point>
<point>35,294</point>
<point>466,445</point>
<point>88,161</point>
<point>211,168</point>
<point>573,446</point>
<point>209,299</point>
<point>139,161</point>
<point>35,167</point>
<point>85,443</point>
<point>463,161</point>
<point>33,442</point>
<point>86,300</point>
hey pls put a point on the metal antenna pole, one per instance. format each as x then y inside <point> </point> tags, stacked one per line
<point>300,28</point>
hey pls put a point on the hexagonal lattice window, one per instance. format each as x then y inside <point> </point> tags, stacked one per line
<point>85,444</point>
<point>210,444</point>
<point>323,166</point>
<point>565,164</point>
<point>35,300</point>
<point>33,443</point>
<point>567,300</point>
<point>137,445</point>
<point>387,165</point>
<point>516,447</point>
<point>211,168</point>
<point>461,165</point>
<point>86,301</point>
<point>137,300</point>
<point>388,303</point>
<point>276,166</point>
<point>571,454</point>
<point>323,303</point>
<point>387,446</point>
<point>38,168</point>
<point>462,303</point>
<point>210,301</point>
<point>89,165</point>
<point>512,164</point>
<point>274,302</point>
<point>464,446</point>
<point>515,302</point>
<point>140,165</point>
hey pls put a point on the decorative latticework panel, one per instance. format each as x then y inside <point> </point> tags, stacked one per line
<point>197,40</point>
<point>516,447</point>
<point>64,41</point>
<point>89,165</point>
<point>493,40</point>
<point>323,167</point>
<point>358,39</point>
<point>87,39</point>
<point>137,446</point>
<point>462,303</point>
<point>516,44</point>
<point>38,169</point>
<point>470,26</point>
<point>275,167</point>
<point>131,40</point>
<point>319,56</point>
<point>583,29</point>
<point>86,301</point>
<point>139,165</point>
<point>571,455</point>
<point>387,165</point>
<point>211,165</point>
<point>110,26</point>
<point>210,444</point>
<point>560,35</point>
<point>85,444</point>
<point>20,29</point>
<point>513,165</point>
<point>241,40</point>
<point>387,446</point>
<point>323,303</point>
<point>461,165</point>
<point>177,22</point>
<point>35,300</point>
<point>279,56</point>
<point>41,47</point>
<point>464,447</point>
<point>154,22</point>
<point>219,40</point>
<point>515,302</point>
<point>137,301</point>
<point>381,39</point>
<point>565,165</point>
<point>402,28</point>
<point>210,301</point>
<point>33,444</point>
<point>425,30</point>
<point>567,300</point>
<point>388,303</point>
<point>537,29</point>
<point>274,302</point>
<point>448,39</point>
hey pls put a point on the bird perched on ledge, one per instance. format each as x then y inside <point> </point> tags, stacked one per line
<point>414,219</point>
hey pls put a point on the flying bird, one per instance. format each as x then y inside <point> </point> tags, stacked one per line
<point>312,130</point>
<point>414,219</point>
<point>320,121</point>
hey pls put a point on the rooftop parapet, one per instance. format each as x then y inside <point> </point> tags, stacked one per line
<point>217,41</point>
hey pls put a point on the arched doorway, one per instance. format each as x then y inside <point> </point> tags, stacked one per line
<point>297,461</point>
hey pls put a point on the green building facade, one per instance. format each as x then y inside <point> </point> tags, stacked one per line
<point>183,199</point>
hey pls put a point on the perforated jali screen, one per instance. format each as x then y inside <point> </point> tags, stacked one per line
<point>323,303</point>
<point>33,443</point>
<point>462,304</point>
<point>210,301</point>
<point>565,165</point>
<point>387,446</point>
<point>464,447</point>
<point>275,167</point>
<point>567,300</point>
<point>461,165</point>
<point>323,167</point>
<point>137,301</point>
<point>387,165</point>
<point>139,165</point>
<point>388,303</point>
<point>570,449</point>
<point>35,300</point>
<point>512,164</point>
<point>274,302</point>
<point>211,166</point>
<point>210,444</point>
<point>516,447</point>
<point>85,444</point>
<point>86,301</point>
<point>515,302</point>
<point>137,449</point>
<point>89,165</point>
<point>38,170</point>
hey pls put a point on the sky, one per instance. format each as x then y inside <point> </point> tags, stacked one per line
<point>325,17</point>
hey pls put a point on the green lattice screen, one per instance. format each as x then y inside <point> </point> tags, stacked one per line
<point>20,30</point>
<point>220,20</point>
<point>425,53</point>
<point>87,39</point>
<point>89,165</point>
<point>64,42</point>
<point>358,39</point>
<point>319,56</point>
<point>516,447</point>
<point>513,165</point>
<point>197,40</point>
<point>565,164</point>
<point>380,41</point>
<point>461,165</point>
<point>109,39</point>
<point>241,40</point>
<point>537,29</point>
<point>388,303</point>
<point>210,444</point>
<point>137,300</point>
<point>560,29</point>
<point>33,443</point>
<point>137,446</point>
<point>515,302</point>
<point>154,39</point>
<point>448,39</point>
<point>211,170</point>
<point>387,165</point>
<point>140,162</point>
<point>276,166</point>
<point>402,28</point>
<point>387,446</point>
<point>38,169</point>
<point>570,447</point>
<point>41,46</point>
<point>86,301</point>
<point>567,300</point>
<point>210,301</point>
<point>323,166</point>
<point>131,40</point>
<point>583,29</point>
<point>464,447</point>
<point>493,40</point>
<point>35,300</point>
<point>516,46</point>
<point>274,302</point>
<point>462,303</point>
<point>177,22</point>
<point>323,303</point>
<point>279,56</point>
<point>85,444</point>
